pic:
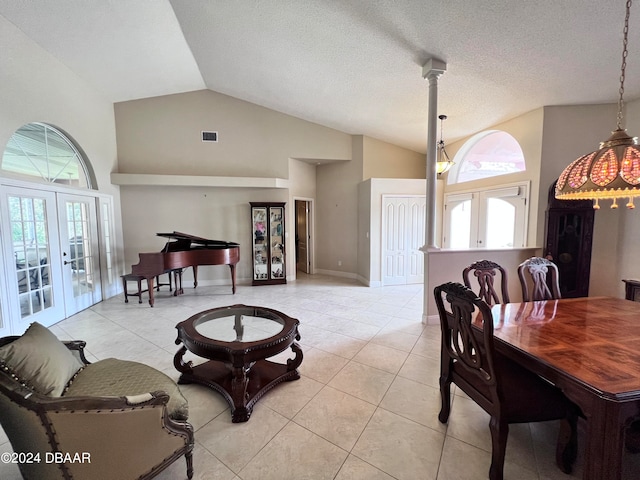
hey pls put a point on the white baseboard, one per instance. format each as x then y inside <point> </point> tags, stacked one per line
<point>335,273</point>
<point>430,319</point>
<point>368,283</point>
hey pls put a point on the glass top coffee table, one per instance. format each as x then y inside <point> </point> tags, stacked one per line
<point>237,340</point>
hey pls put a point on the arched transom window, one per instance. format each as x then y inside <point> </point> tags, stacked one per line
<point>41,153</point>
<point>487,154</point>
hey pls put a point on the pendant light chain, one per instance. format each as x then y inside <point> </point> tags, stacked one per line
<point>625,40</point>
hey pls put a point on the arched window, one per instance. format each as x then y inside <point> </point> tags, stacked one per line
<point>487,154</point>
<point>42,153</point>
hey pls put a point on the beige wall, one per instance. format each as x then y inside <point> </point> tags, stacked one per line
<point>372,192</point>
<point>37,88</point>
<point>570,132</point>
<point>551,138</point>
<point>302,186</point>
<point>162,136</point>
<point>342,205</point>
<point>447,265</point>
<point>215,213</point>
<point>337,214</point>
<point>626,258</point>
<point>527,129</point>
<point>364,231</point>
<point>384,160</point>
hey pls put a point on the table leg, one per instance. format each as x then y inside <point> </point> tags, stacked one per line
<point>178,360</point>
<point>294,363</point>
<point>239,383</point>
<point>605,446</point>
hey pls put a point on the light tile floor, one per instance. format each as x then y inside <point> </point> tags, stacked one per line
<point>365,407</point>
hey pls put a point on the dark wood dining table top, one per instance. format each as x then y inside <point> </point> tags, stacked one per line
<point>589,348</point>
<point>595,340</point>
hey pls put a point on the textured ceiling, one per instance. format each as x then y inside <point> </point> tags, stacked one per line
<point>354,65</point>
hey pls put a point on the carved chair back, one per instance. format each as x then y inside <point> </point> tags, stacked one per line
<point>542,274</point>
<point>488,274</point>
<point>467,354</point>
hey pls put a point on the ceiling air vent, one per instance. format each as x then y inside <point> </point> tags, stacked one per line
<point>209,136</point>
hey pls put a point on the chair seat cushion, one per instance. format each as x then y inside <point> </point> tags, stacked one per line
<point>114,377</point>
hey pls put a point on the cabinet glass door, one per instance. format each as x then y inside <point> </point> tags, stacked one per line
<point>277,242</point>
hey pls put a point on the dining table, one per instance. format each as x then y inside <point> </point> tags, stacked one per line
<point>590,348</point>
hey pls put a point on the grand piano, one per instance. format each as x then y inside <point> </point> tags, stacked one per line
<point>182,251</point>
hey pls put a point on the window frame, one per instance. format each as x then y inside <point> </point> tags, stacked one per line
<point>462,156</point>
<point>518,191</point>
<point>86,177</point>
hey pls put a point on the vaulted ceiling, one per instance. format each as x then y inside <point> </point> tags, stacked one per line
<point>353,65</point>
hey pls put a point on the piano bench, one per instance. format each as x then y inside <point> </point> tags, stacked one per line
<point>133,278</point>
<point>177,275</point>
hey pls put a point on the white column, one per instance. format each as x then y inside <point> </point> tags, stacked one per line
<point>431,71</point>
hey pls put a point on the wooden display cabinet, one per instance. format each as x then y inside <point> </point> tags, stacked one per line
<point>268,240</point>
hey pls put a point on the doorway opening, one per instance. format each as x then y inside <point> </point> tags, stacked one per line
<point>303,236</point>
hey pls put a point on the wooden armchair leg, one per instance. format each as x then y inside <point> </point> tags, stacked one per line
<point>189,457</point>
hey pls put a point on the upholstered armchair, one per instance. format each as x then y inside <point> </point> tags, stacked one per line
<point>67,418</point>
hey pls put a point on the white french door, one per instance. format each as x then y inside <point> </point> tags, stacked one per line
<point>78,232</point>
<point>491,218</point>
<point>49,266</point>
<point>403,233</point>
<point>34,288</point>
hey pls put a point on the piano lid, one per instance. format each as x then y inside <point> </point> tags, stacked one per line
<point>197,240</point>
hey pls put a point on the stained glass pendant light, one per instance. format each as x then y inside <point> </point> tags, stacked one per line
<point>612,172</point>
<point>444,163</point>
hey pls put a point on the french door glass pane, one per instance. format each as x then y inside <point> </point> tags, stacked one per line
<point>80,248</point>
<point>501,219</point>
<point>108,247</point>
<point>277,264</point>
<point>30,239</point>
<point>460,225</point>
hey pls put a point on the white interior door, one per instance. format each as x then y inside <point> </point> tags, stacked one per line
<point>80,253</point>
<point>403,233</point>
<point>416,210</point>
<point>34,288</point>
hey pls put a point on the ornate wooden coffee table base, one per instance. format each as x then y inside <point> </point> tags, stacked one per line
<point>237,341</point>
<point>240,388</point>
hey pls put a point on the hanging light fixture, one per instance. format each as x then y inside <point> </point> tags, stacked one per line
<point>612,172</point>
<point>444,163</point>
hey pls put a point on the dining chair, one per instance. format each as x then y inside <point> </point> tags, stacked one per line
<point>488,274</point>
<point>505,390</point>
<point>542,274</point>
